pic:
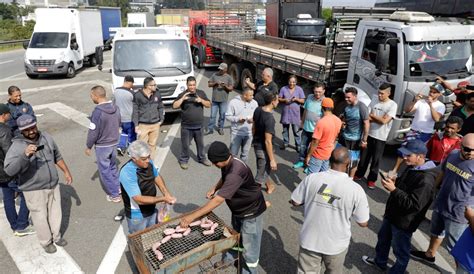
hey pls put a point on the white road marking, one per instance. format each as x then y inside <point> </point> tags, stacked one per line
<point>9,78</point>
<point>117,247</point>
<point>67,112</point>
<point>60,86</point>
<point>443,265</point>
<point>6,62</point>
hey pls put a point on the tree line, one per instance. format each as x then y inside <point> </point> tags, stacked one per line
<point>11,27</point>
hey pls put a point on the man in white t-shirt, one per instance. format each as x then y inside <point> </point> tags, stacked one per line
<point>331,199</point>
<point>427,112</point>
<point>382,111</point>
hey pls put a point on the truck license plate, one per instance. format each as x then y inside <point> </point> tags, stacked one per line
<point>42,69</point>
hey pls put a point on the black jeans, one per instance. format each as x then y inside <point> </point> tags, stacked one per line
<point>188,134</point>
<point>372,153</point>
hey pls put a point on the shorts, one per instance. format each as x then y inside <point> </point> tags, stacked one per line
<point>443,227</point>
<point>354,150</point>
<point>263,165</point>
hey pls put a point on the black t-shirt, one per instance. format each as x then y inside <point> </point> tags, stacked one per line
<point>192,113</point>
<point>240,191</point>
<point>264,123</point>
<point>262,89</point>
<point>468,125</point>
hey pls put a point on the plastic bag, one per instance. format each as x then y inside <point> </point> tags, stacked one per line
<point>163,213</point>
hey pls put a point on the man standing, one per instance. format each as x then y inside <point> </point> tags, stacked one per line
<point>265,86</point>
<point>192,103</point>
<point>331,199</point>
<point>410,197</point>
<point>456,193</point>
<point>263,130</point>
<point>104,135</point>
<point>323,139</point>
<point>18,221</point>
<point>466,113</point>
<point>17,107</point>
<point>244,198</point>
<point>123,98</point>
<point>139,179</point>
<point>382,112</point>
<point>32,158</point>
<point>148,114</point>
<point>443,143</point>
<point>240,114</point>
<point>311,115</point>
<point>356,130</point>
<point>221,84</point>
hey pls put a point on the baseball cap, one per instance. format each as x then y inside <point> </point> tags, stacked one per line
<point>327,103</point>
<point>222,66</point>
<point>438,87</point>
<point>25,121</point>
<point>4,109</point>
<point>413,147</point>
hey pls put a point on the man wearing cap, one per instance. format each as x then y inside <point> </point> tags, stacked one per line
<point>410,197</point>
<point>324,139</point>
<point>123,98</point>
<point>148,113</point>
<point>221,83</point>
<point>33,157</point>
<point>18,221</point>
<point>245,200</point>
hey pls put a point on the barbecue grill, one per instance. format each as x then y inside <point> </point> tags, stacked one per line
<point>183,253</point>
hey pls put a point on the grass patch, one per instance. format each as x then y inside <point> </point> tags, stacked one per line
<point>5,48</point>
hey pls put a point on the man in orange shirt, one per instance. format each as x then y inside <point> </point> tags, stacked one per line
<point>324,138</point>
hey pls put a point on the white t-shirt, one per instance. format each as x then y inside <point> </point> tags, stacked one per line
<point>379,131</point>
<point>330,200</point>
<point>423,121</point>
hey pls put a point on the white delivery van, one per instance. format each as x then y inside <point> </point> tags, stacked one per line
<point>62,41</point>
<point>159,52</point>
<point>140,19</point>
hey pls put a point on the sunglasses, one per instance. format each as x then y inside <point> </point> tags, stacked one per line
<point>467,149</point>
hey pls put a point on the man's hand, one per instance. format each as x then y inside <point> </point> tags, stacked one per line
<point>273,165</point>
<point>68,178</point>
<point>429,100</point>
<point>88,152</point>
<point>363,144</point>
<point>185,96</point>
<point>241,120</point>
<point>250,119</point>
<point>210,193</point>
<point>185,221</point>
<point>170,199</point>
<point>388,184</point>
<point>30,150</point>
<point>419,96</point>
<point>137,130</point>
<point>198,100</point>
<point>306,160</point>
<point>469,214</point>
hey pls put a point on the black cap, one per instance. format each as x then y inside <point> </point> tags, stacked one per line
<point>218,152</point>
<point>128,78</point>
<point>4,109</point>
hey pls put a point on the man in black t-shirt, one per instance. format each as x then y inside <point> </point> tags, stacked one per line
<point>244,198</point>
<point>265,86</point>
<point>466,113</point>
<point>192,102</point>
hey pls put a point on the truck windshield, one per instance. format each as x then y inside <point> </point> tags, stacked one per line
<point>161,57</point>
<point>437,58</point>
<point>49,40</point>
<point>305,30</point>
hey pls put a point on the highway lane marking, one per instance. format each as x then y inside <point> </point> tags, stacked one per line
<point>6,62</point>
<point>67,112</point>
<point>9,78</point>
<point>38,89</point>
<point>119,243</point>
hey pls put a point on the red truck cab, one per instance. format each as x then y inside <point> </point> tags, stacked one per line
<point>203,55</point>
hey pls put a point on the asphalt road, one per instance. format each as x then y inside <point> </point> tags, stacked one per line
<point>62,109</point>
<point>11,63</point>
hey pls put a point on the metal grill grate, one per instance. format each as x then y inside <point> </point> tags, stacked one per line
<point>41,63</point>
<point>175,247</point>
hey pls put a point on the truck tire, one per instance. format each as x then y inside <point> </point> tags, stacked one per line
<point>247,73</point>
<point>235,71</point>
<point>71,71</point>
<point>92,61</point>
<point>32,76</point>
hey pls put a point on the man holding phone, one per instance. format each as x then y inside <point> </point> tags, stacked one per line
<point>222,84</point>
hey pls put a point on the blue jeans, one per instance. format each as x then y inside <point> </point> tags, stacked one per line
<point>444,227</point>
<point>222,108</point>
<point>128,135</point>
<point>242,143</point>
<point>317,165</point>
<point>135,225</point>
<point>296,134</point>
<point>400,240</point>
<point>250,230</point>
<point>18,221</point>
<point>306,138</point>
<point>108,171</point>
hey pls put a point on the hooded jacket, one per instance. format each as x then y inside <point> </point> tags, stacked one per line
<point>5,142</point>
<point>16,110</point>
<point>38,171</point>
<point>104,126</point>
<point>407,204</point>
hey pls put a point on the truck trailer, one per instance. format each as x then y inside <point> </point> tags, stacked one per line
<point>110,17</point>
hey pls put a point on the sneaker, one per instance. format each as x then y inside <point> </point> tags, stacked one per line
<point>298,164</point>
<point>24,232</point>
<point>117,199</point>
<point>51,248</point>
<point>371,184</point>
<point>208,131</point>
<point>206,163</point>
<point>371,261</point>
<point>220,131</point>
<point>120,151</point>
<point>421,256</point>
<point>183,165</point>
<point>61,242</point>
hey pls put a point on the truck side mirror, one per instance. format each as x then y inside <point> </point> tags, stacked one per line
<point>25,44</point>
<point>383,55</point>
<point>74,46</point>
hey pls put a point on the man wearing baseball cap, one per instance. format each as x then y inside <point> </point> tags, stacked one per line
<point>221,84</point>
<point>324,137</point>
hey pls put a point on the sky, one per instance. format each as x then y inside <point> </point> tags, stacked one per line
<point>348,3</point>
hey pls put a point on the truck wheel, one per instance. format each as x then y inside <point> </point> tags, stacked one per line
<point>32,76</point>
<point>246,73</point>
<point>235,71</point>
<point>71,71</point>
<point>93,61</point>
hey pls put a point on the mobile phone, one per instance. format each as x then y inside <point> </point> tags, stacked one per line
<point>382,175</point>
<point>38,148</point>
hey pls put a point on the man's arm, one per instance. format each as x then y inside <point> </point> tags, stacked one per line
<point>179,101</point>
<point>208,207</point>
<point>312,147</point>
<point>67,174</point>
<point>160,183</point>
<point>434,112</point>
<point>381,119</point>
<point>411,106</point>
<point>150,200</point>
<point>93,132</point>
<point>135,111</point>
<point>250,84</point>
<point>6,141</point>
<point>269,149</point>
<point>230,114</point>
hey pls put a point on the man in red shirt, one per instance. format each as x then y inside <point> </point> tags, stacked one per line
<point>440,145</point>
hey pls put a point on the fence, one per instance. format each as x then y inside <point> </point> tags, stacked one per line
<point>5,45</point>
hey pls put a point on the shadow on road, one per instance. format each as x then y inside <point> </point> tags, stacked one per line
<point>67,194</point>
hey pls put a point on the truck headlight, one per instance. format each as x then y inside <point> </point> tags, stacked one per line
<point>27,61</point>
<point>182,88</point>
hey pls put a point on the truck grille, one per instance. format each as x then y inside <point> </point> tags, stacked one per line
<point>167,89</point>
<point>42,63</point>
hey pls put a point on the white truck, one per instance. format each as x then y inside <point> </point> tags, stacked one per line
<point>63,40</point>
<point>140,19</point>
<point>159,52</point>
